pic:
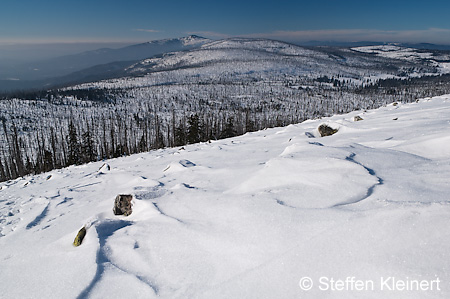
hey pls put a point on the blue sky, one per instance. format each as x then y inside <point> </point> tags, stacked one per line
<point>93,21</point>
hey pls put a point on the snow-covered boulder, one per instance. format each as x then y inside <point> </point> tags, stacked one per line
<point>325,130</point>
<point>122,205</point>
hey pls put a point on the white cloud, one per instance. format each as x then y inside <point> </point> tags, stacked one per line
<point>432,35</point>
<point>147,30</point>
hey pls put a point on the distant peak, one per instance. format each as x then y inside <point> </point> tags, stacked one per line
<point>193,36</point>
<point>193,39</point>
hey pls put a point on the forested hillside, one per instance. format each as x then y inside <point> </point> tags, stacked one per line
<point>220,90</point>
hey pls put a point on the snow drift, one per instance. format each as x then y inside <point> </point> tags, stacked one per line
<point>246,217</point>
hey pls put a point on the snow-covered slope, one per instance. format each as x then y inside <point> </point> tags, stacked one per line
<point>246,217</point>
<point>439,59</point>
<point>247,56</point>
<point>256,60</point>
<point>225,55</point>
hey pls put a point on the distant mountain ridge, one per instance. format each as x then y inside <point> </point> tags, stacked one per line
<point>246,58</point>
<point>241,56</point>
<point>422,46</point>
<point>133,52</point>
<point>40,72</point>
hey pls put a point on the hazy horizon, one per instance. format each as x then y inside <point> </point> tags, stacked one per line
<point>27,23</point>
<point>32,31</point>
<point>33,51</point>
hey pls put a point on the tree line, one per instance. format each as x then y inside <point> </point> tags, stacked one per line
<point>82,140</point>
<point>58,128</point>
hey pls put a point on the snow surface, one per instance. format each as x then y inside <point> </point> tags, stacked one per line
<point>252,61</point>
<point>407,54</point>
<point>245,217</point>
<point>395,52</point>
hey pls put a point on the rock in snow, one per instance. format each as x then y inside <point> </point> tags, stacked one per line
<point>325,130</point>
<point>80,236</point>
<point>122,205</point>
<point>269,214</point>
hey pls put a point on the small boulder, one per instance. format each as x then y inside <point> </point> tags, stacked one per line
<point>80,236</point>
<point>357,118</point>
<point>122,205</point>
<point>325,130</point>
<point>104,167</point>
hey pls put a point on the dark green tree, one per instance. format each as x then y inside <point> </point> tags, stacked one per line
<point>3,176</point>
<point>142,146</point>
<point>48,161</point>
<point>194,133</point>
<point>229,130</point>
<point>16,152</point>
<point>180,135</point>
<point>88,150</point>
<point>74,154</point>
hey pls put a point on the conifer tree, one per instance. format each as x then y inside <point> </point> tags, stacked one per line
<point>3,176</point>
<point>88,151</point>
<point>48,161</point>
<point>74,156</point>
<point>194,133</point>
<point>16,153</point>
<point>229,130</point>
<point>180,135</point>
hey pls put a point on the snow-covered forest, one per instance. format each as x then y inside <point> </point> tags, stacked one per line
<point>220,90</point>
<point>245,217</point>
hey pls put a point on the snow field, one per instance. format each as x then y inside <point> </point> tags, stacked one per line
<point>245,217</point>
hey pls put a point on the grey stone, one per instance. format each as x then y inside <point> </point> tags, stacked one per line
<point>325,130</point>
<point>122,205</point>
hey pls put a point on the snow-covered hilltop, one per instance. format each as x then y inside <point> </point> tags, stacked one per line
<point>232,59</point>
<point>247,217</point>
<point>437,59</point>
<point>237,60</point>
